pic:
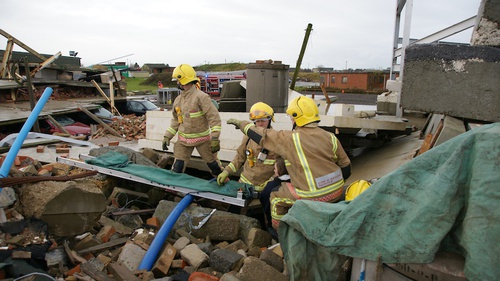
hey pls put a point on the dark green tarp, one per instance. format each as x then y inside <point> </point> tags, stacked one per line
<point>448,198</point>
<point>120,162</point>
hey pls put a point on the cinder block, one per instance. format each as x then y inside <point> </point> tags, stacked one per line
<point>225,260</point>
<point>272,259</point>
<point>258,237</point>
<point>455,80</point>
<point>131,256</point>
<point>194,256</point>
<point>181,243</point>
<point>255,270</point>
<point>219,228</point>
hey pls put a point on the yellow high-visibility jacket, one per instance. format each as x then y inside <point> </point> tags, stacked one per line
<point>195,118</point>
<point>315,156</point>
<point>261,171</point>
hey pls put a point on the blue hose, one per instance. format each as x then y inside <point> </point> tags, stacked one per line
<point>157,244</point>
<point>14,149</point>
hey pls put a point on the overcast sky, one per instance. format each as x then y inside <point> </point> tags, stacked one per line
<point>356,33</point>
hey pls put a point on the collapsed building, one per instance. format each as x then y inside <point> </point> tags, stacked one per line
<point>111,237</point>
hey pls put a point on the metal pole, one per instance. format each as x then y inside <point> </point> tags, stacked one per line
<point>301,55</point>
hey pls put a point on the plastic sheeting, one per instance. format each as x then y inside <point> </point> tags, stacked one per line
<point>445,199</point>
<point>120,162</point>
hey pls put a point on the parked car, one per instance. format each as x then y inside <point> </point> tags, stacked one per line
<point>74,128</point>
<point>139,107</point>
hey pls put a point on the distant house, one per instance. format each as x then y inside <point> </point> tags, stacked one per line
<point>322,69</point>
<point>358,80</point>
<point>156,68</point>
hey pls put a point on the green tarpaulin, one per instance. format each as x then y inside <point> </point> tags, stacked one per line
<point>120,162</point>
<point>445,199</point>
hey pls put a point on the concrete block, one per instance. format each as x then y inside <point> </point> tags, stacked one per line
<point>206,247</point>
<point>487,29</point>
<point>256,270</point>
<point>272,259</point>
<point>225,260</point>
<point>237,245</point>
<point>346,110</point>
<point>131,256</point>
<point>194,256</point>
<point>455,80</point>
<point>181,243</point>
<point>218,228</point>
<point>258,237</point>
<point>68,207</point>
<point>452,127</point>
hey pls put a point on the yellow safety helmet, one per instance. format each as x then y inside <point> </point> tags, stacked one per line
<point>303,110</point>
<point>184,73</point>
<point>355,189</point>
<point>261,110</point>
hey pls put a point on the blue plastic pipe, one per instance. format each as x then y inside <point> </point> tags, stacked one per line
<point>14,149</point>
<point>157,244</point>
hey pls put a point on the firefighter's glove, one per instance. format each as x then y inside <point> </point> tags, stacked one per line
<point>234,122</point>
<point>215,145</point>
<point>165,143</point>
<point>222,177</point>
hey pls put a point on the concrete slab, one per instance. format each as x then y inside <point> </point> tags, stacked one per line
<point>456,80</point>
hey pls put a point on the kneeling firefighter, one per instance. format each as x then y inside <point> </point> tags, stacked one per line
<point>196,120</point>
<point>257,161</point>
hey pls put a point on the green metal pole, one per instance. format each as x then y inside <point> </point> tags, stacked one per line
<point>301,55</point>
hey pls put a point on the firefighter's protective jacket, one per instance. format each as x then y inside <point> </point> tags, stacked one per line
<point>315,156</point>
<point>255,172</point>
<point>195,118</point>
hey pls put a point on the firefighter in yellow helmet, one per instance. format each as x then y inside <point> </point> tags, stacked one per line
<point>196,120</point>
<point>257,161</point>
<point>318,165</point>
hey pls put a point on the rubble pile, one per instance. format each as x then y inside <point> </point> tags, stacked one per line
<point>131,127</point>
<point>39,221</point>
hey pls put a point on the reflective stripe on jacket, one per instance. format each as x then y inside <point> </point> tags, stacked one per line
<point>199,119</point>
<point>315,155</point>
<point>258,174</point>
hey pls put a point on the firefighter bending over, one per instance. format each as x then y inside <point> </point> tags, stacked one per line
<point>257,161</point>
<point>318,165</point>
<point>196,120</point>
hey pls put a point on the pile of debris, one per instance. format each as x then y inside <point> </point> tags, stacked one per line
<point>90,227</point>
<point>130,127</point>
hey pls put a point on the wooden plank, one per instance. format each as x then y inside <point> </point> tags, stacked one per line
<point>105,246</point>
<point>113,108</point>
<point>121,272</point>
<point>59,126</point>
<point>93,271</point>
<point>427,144</point>
<point>98,120</point>
<point>437,133</point>
<point>164,262</point>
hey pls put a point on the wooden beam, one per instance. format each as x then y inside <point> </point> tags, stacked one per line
<point>59,126</point>
<point>104,125</point>
<point>22,45</point>
<point>121,272</point>
<point>113,108</point>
